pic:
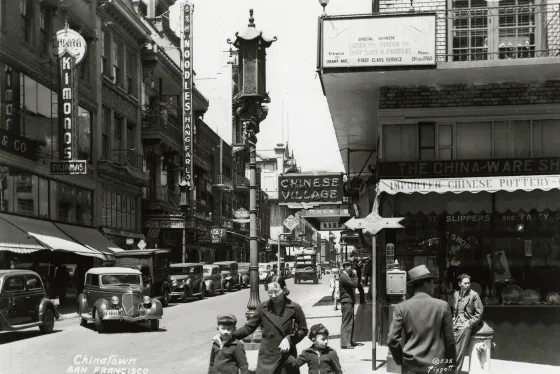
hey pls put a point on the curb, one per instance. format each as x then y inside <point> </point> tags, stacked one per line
<point>66,316</point>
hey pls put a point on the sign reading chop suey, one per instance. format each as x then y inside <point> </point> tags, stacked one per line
<point>321,189</point>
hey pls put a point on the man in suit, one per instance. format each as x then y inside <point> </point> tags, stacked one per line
<point>421,335</point>
<point>348,283</point>
<point>358,270</point>
<point>467,316</point>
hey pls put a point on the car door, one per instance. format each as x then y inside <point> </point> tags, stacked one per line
<point>33,295</point>
<point>217,278</point>
<point>91,290</point>
<point>14,299</point>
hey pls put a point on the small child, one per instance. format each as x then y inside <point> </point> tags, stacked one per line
<point>320,358</point>
<point>335,290</point>
<point>228,354</point>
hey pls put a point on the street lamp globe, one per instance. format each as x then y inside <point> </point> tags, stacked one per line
<point>324,4</point>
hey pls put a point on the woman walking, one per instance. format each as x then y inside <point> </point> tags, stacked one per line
<point>283,327</point>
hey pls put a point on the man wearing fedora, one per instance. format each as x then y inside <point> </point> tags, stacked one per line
<point>348,282</point>
<point>421,335</point>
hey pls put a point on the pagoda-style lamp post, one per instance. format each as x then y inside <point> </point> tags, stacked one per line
<point>248,102</point>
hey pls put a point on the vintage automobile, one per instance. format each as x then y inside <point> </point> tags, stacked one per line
<point>24,302</point>
<point>187,281</point>
<point>154,265</point>
<point>213,279</point>
<point>230,273</point>
<point>265,273</point>
<point>243,268</point>
<point>116,294</point>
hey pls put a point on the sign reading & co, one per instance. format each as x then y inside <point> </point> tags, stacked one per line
<point>18,146</point>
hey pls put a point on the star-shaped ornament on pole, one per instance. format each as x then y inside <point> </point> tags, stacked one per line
<point>374,223</point>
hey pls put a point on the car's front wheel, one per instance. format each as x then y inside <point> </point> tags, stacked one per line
<point>100,326</point>
<point>212,291</point>
<point>166,297</point>
<point>222,291</point>
<point>202,292</point>
<point>186,294</point>
<point>48,322</point>
<point>83,322</point>
<point>154,324</point>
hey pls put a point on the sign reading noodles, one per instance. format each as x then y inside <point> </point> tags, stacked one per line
<point>404,40</point>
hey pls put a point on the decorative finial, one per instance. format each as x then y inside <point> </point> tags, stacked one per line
<point>251,19</point>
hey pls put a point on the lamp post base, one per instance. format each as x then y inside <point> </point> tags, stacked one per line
<point>253,341</point>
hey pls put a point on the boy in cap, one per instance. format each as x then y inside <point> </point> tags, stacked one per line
<point>228,354</point>
<point>320,358</point>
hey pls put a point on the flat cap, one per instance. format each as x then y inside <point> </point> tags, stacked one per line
<point>227,319</point>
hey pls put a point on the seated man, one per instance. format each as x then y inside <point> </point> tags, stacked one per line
<point>467,317</point>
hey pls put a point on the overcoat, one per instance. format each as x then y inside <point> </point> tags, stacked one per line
<point>421,335</point>
<point>276,325</point>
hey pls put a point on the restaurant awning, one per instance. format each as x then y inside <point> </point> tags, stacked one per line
<point>50,236</point>
<point>472,185</point>
<point>91,238</point>
<point>14,240</point>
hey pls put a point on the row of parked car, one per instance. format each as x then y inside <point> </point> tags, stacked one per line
<point>135,290</point>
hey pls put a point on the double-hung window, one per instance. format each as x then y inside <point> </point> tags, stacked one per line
<point>117,51</point>
<point>26,15</point>
<point>45,26</point>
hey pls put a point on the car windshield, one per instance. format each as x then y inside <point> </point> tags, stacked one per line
<point>207,271</point>
<point>121,279</point>
<point>225,267</point>
<point>243,267</point>
<point>182,270</point>
<point>262,266</point>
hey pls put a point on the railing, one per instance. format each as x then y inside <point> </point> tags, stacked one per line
<point>222,181</point>
<point>159,121</point>
<point>161,193</point>
<point>127,157</point>
<point>241,182</point>
<point>201,211</point>
<point>498,33</point>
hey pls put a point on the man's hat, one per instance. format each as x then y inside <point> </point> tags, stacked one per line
<point>419,273</point>
<point>227,319</point>
<point>346,263</point>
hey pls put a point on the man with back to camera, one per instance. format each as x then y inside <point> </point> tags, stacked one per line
<point>467,316</point>
<point>421,335</point>
<point>347,290</point>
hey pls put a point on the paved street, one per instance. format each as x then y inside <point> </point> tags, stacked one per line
<point>182,344</point>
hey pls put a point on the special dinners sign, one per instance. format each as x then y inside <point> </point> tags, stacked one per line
<point>379,41</point>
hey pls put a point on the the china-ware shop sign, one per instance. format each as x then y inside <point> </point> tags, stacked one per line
<point>310,188</point>
<point>379,41</point>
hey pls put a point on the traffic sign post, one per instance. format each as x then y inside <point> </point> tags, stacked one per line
<point>290,223</point>
<point>372,224</point>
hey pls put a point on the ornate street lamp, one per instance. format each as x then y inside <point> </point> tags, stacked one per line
<point>248,102</point>
<point>324,4</point>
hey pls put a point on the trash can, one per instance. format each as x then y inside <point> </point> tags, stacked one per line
<point>480,349</point>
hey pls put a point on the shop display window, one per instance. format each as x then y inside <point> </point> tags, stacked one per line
<point>512,257</point>
<point>27,194</point>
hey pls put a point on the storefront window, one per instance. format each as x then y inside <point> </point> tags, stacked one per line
<point>31,111</point>
<point>119,211</point>
<point>513,254</point>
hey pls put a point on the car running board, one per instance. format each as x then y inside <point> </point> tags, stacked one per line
<point>23,326</point>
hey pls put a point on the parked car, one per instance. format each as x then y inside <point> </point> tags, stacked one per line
<point>154,265</point>
<point>244,272</point>
<point>213,279</point>
<point>187,281</point>
<point>230,273</point>
<point>24,302</point>
<point>116,294</point>
<point>265,273</point>
<point>45,271</point>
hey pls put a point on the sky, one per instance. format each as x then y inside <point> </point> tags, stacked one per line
<point>298,112</point>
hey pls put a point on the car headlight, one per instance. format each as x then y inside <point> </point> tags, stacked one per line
<point>147,299</point>
<point>115,300</point>
<point>174,282</point>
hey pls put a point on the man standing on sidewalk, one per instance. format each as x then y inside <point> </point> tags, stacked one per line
<point>421,336</point>
<point>358,270</point>
<point>347,283</point>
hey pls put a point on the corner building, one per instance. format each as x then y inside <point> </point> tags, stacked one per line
<point>467,150</point>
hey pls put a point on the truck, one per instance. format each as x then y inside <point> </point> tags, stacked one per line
<point>155,267</point>
<point>306,266</point>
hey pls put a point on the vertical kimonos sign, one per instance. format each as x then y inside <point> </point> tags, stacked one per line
<point>71,49</point>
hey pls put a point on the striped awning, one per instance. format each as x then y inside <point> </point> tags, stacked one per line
<point>50,236</point>
<point>15,240</point>
<point>91,238</point>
